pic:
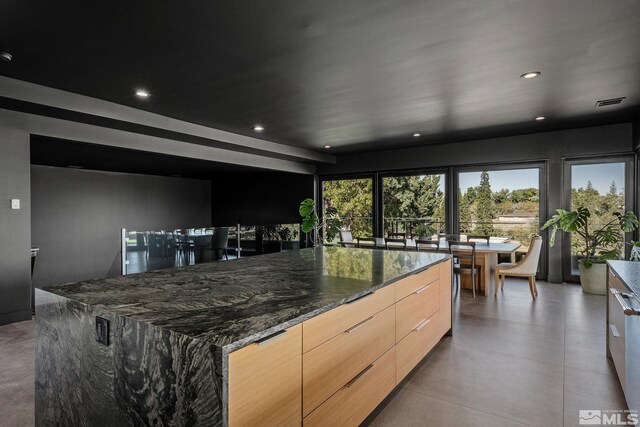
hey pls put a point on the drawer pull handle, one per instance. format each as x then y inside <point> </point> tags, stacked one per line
<point>621,297</point>
<point>271,337</point>
<point>422,324</point>
<point>360,375</point>
<point>614,331</point>
<point>422,289</point>
<point>360,297</point>
<point>358,325</point>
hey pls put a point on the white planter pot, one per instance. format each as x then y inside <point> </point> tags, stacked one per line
<point>594,279</point>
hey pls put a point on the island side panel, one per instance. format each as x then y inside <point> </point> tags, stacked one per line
<point>146,376</point>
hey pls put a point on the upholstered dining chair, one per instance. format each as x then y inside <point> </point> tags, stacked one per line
<point>526,267</point>
<point>427,245</point>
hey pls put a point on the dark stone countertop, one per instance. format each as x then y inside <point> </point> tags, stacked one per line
<point>629,274</point>
<point>231,304</point>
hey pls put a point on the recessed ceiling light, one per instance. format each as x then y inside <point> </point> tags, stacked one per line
<point>327,146</point>
<point>141,93</point>
<point>530,75</point>
<point>6,56</point>
<point>258,128</point>
<point>540,118</point>
<point>415,135</point>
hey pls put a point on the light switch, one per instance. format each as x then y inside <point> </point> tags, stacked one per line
<point>15,203</point>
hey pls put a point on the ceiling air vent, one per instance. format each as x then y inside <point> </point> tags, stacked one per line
<point>612,101</point>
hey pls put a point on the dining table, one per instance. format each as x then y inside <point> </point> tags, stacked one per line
<point>486,257</point>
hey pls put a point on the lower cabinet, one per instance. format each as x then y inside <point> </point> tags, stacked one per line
<point>265,381</point>
<point>353,402</point>
<point>336,368</point>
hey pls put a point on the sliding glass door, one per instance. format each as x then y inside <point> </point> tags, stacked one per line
<point>353,200</point>
<point>413,205</point>
<point>604,187</point>
<point>504,202</point>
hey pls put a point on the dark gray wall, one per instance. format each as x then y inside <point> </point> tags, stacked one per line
<point>260,199</point>
<point>550,146</point>
<point>77,216</point>
<point>15,231</point>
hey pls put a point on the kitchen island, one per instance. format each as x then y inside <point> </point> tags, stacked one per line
<point>623,326</point>
<point>311,336</point>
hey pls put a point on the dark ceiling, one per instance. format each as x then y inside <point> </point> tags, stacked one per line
<point>361,74</point>
<point>47,151</point>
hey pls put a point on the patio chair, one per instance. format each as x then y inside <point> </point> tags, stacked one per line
<point>526,267</point>
<point>346,239</point>
<point>476,238</point>
<point>367,242</point>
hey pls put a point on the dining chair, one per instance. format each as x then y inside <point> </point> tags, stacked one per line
<point>526,267</point>
<point>220,242</point>
<point>369,242</point>
<point>477,238</point>
<point>396,244</point>
<point>346,239</point>
<point>397,235</point>
<point>448,237</point>
<point>464,262</point>
<point>427,245</point>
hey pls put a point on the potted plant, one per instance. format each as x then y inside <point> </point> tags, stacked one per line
<point>599,244</point>
<point>311,222</point>
<point>424,231</point>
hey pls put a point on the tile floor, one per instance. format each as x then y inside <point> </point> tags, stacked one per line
<point>512,361</point>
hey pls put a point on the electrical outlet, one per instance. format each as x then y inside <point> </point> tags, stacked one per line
<point>102,330</point>
<point>15,203</point>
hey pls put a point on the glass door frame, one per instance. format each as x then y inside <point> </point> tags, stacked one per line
<point>379,199</point>
<point>542,166</point>
<point>629,200</point>
<point>374,194</point>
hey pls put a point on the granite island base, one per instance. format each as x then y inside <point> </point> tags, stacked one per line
<point>319,336</point>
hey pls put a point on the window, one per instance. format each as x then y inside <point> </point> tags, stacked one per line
<point>502,203</point>
<point>413,205</point>
<point>353,199</point>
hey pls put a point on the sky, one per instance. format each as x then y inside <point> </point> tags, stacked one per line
<point>600,175</point>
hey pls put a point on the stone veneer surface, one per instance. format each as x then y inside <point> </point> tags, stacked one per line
<point>171,330</point>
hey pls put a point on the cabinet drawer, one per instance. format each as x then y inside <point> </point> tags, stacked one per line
<point>416,307</point>
<point>615,282</point>
<point>616,348</point>
<point>616,318</point>
<point>350,405</point>
<point>264,376</point>
<point>327,325</point>
<point>331,365</point>
<point>414,282</point>
<point>412,348</point>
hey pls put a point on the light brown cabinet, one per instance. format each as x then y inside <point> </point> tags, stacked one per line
<point>335,368</point>
<point>264,381</point>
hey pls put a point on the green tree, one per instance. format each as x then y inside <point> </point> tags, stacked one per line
<point>485,210</point>
<point>465,212</point>
<point>353,200</point>
<point>412,197</point>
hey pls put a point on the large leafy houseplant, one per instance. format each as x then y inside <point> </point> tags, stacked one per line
<point>311,222</point>
<point>600,243</point>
